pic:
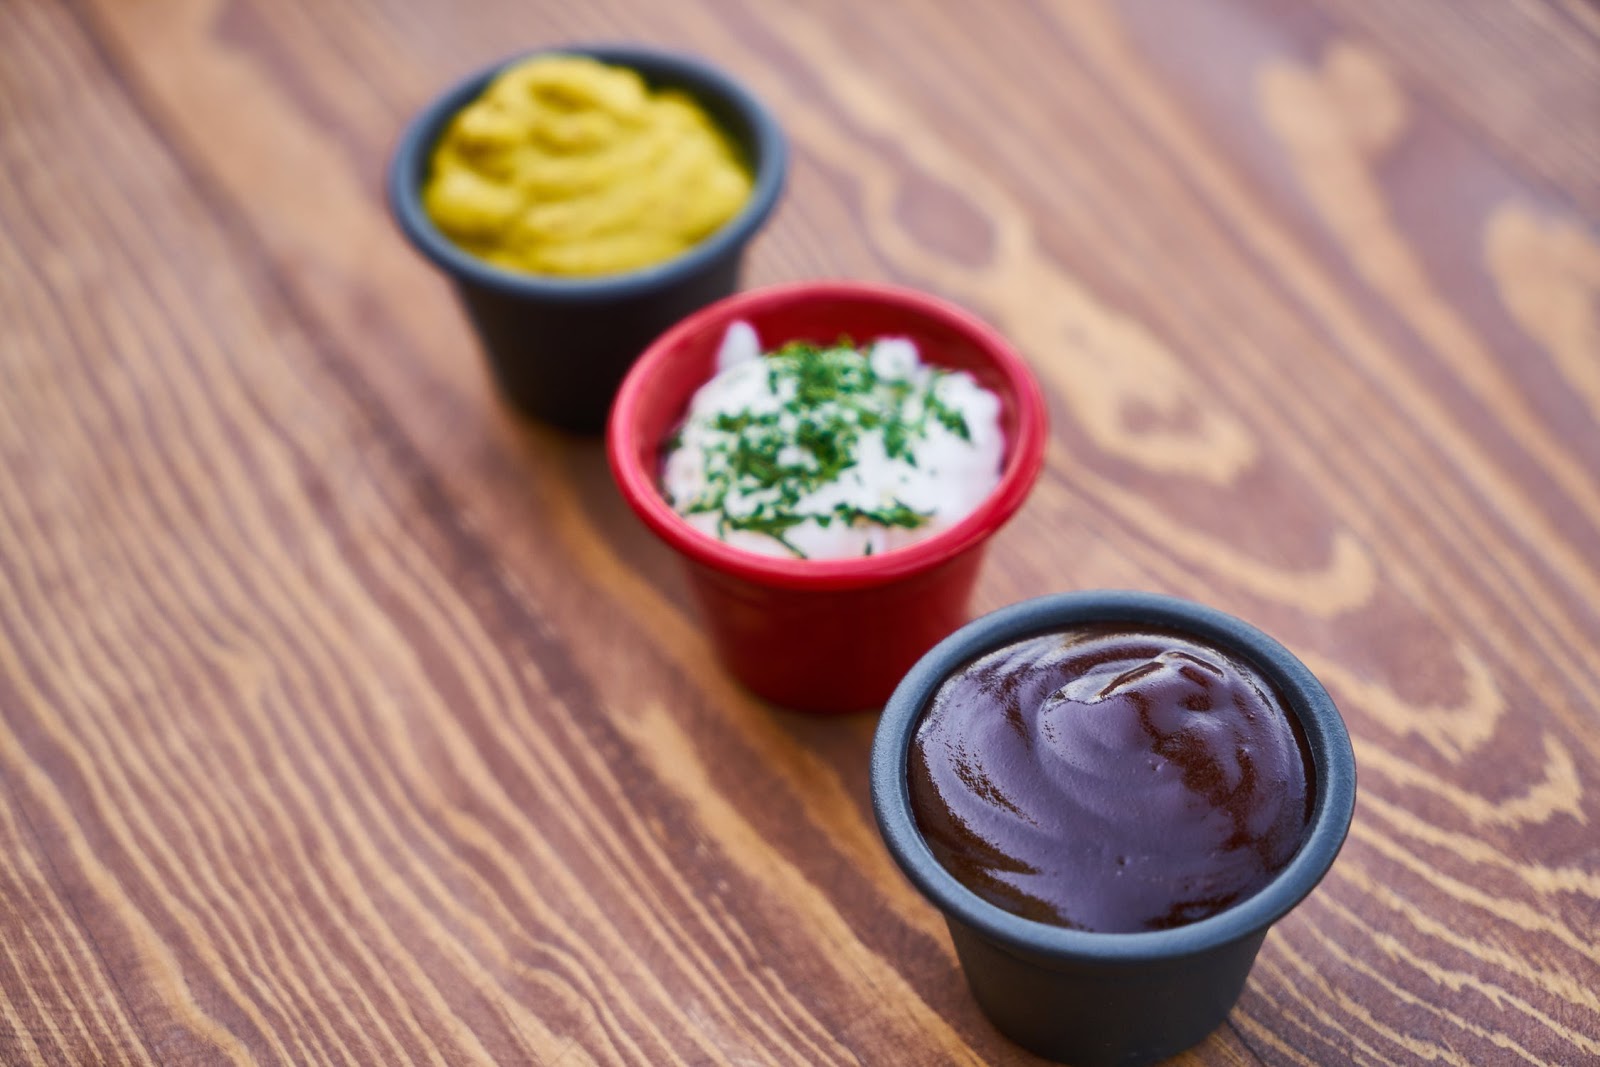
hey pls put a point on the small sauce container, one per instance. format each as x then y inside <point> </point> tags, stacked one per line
<point>830,635</point>
<point>558,346</point>
<point>1086,997</point>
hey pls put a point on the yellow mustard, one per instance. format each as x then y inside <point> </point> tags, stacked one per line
<point>568,166</point>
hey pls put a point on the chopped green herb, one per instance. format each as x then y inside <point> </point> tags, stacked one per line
<point>948,416</point>
<point>761,463</point>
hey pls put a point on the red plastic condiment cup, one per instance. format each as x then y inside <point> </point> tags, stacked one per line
<point>825,635</point>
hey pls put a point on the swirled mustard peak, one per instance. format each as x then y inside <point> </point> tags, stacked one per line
<point>568,166</point>
<point>1110,779</point>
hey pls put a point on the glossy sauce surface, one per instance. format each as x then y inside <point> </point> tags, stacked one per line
<point>1110,779</point>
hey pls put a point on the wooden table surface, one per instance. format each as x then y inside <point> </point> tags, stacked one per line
<point>344,719</point>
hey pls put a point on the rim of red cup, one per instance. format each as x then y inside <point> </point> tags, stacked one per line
<point>635,462</point>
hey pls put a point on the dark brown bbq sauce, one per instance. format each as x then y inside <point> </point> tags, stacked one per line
<point>1110,779</point>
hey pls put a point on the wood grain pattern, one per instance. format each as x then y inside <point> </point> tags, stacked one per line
<point>314,742</point>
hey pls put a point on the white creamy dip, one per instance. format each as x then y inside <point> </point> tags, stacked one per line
<point>829,451</point>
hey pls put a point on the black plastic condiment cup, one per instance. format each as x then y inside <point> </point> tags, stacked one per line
<point>1092,998</point>
<point>559,346</point>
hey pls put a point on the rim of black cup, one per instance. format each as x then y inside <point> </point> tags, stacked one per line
<point>408,169</point>
<point>1333,770</point>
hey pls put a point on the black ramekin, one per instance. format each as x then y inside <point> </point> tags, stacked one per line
<point>559,346</point>
<point>1111,998</point>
